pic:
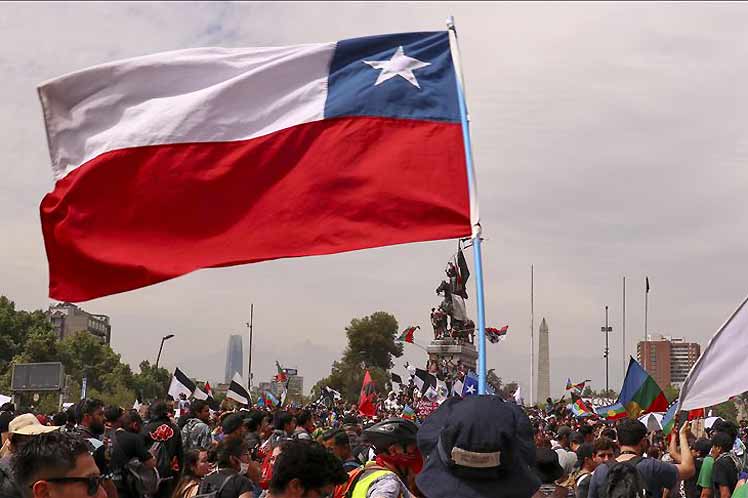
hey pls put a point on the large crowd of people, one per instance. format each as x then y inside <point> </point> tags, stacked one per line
<point>473,447</point>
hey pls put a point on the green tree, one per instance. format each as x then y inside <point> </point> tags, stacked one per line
<point>16,327</point>
<point>152,382</point>
<point>726,410</point>
<point>28,337</point>
<point>84,355</point>
<point>371,341</point>
<point>588,392</point>
<point>371,346</point>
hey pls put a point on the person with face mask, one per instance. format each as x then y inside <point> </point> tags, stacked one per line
<point>396,464</point>
<point>229,480</point>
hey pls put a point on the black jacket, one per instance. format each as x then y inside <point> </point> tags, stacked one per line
<point>170,457</point>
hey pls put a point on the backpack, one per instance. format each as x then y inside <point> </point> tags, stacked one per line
<point>623,480</point>
<point>136,478</point>
<point>735,460</point>
<point>203,492</point>
<point>139,480</point>
<point>346,490</point>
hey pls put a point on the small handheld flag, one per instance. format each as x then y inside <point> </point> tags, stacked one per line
<point>668,420</point>
<point>407,334</point>
<point>237,391</point>
<point>181,384</point>
<point>495,335</point>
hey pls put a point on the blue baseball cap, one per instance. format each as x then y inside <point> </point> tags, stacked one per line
<point>477,447</point>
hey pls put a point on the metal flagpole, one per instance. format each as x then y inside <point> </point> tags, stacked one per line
<point>249,326</point>
<point>624,326</point>
<point>646,305</point>
<point>474,214</point>
<point>532,336</point>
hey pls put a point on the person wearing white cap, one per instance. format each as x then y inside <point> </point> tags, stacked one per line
<point>21,429</point>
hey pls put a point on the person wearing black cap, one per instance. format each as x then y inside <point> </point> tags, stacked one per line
<point>477,447</point>
<point>233,427</point>
<point>397,462</point>
<point>548,470</point>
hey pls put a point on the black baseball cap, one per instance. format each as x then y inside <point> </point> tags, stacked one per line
<point>231,423</point>
<point>547,465</point>
<point>477,447</point>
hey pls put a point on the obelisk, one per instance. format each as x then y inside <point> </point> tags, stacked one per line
<point>544,365</point>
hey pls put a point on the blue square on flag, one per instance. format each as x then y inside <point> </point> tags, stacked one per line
<point>406,75</point>
<point>470,386</point>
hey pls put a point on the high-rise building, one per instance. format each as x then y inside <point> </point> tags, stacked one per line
<point>667,359</point>
<point>234,358</point>
<point>295,387</point>
<point>67,319</point>
<point>544,365</point>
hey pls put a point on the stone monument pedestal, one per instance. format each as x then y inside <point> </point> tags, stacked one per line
<point>452,350</point>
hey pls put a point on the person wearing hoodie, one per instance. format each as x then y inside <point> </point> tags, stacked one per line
<point>196,432</point>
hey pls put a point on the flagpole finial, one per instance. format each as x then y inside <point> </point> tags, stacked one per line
<point>451,23</point>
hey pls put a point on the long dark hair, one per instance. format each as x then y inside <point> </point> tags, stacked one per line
<point>188,477</point>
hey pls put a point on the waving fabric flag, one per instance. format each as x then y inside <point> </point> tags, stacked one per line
<point>237,391</point>
<point>271,399</point>
<point>615,411</point>
<point>640,393</point>
<point>281,376</point>
<point>209,157</point>
<point>495,335</point>
<point>199,394</point>
<point>719,373</point>
<point>180,384</point>
<point>424,381</point>
<point>518,396</point>
<point>668,420</point>
<point>366,399</point>
<point>407,334</point>
<point>470,384</point>
<point>580,409</point>
<point>578,388</point>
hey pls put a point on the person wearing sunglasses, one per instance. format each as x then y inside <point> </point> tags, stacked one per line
<point>57,465</point>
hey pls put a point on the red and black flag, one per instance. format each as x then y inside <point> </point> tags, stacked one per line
<point>407,334</point>
<point>281,377</point>
<point>366,400</point>
<point>495,335</point>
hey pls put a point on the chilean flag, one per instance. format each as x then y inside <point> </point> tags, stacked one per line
<point>211,157</point>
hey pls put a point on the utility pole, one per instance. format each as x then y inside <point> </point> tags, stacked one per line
<point>532,336</point>
<point>624,326</point>
<point>606,330</point>
<point>249,326</point>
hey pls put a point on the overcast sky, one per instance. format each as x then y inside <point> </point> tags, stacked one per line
<point>609,139</point>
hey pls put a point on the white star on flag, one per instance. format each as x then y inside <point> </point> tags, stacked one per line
<point>471,389</point>
<point>400,65</point>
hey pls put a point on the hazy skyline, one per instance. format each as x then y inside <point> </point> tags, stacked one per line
<point>609,140</point>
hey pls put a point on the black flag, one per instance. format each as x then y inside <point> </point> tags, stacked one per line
<point>237,391</point>
<point>396,378</point>
<point>463,267</point>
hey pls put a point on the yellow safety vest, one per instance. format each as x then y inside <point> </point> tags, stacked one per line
<point>365,482</point>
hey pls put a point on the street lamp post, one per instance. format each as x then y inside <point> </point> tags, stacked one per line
<point>606,330</point>
<point>161,348</point>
